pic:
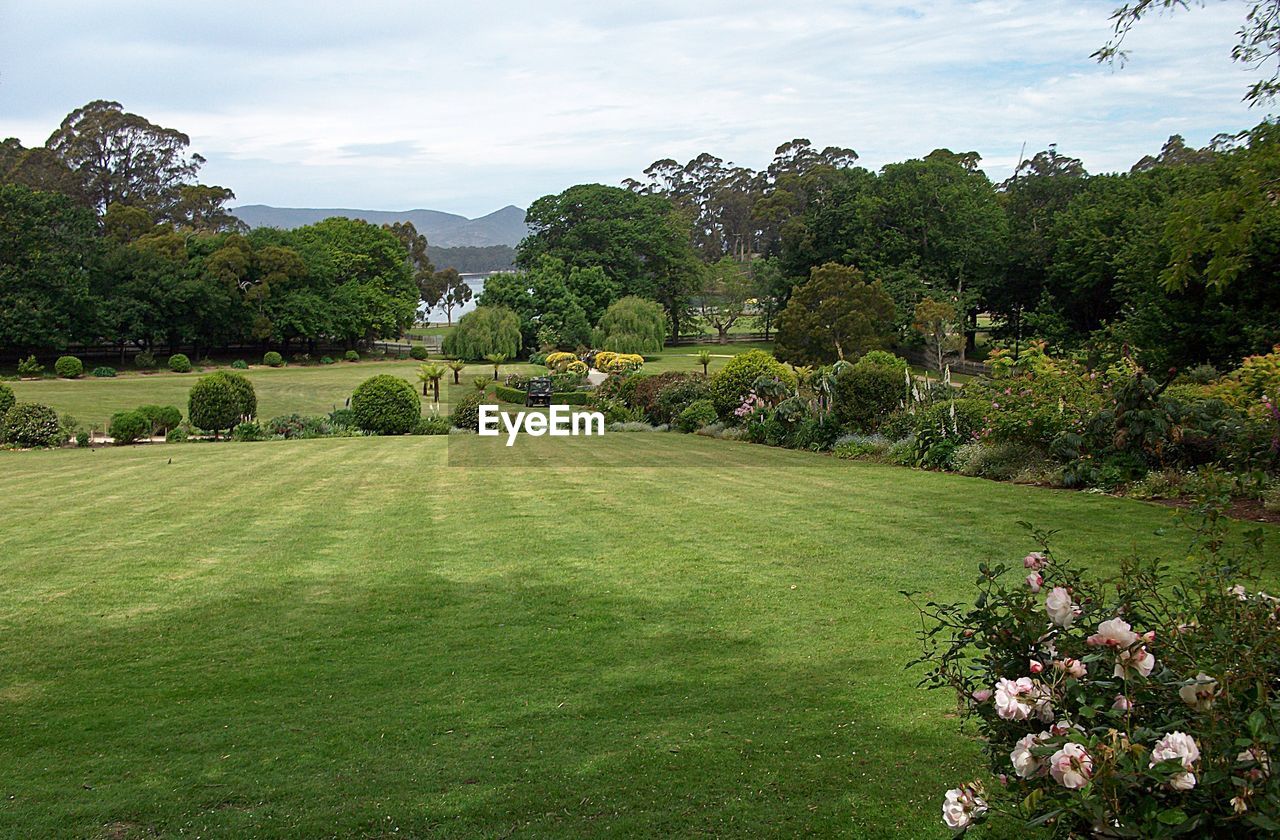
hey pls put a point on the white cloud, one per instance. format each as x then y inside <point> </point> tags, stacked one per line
<point>468,107</point>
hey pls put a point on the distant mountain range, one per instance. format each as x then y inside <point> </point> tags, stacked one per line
<point>443,230</point>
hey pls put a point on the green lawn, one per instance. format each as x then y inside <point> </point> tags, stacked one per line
<point>662,635</point>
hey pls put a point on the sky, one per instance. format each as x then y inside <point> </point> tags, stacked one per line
<point>470,106</point>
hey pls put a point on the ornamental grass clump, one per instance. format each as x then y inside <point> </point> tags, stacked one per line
<point>1147,705</point>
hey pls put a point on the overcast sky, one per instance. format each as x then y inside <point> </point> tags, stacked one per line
<point>470,106</point>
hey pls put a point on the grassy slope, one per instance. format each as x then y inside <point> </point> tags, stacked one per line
<point>354,638</point>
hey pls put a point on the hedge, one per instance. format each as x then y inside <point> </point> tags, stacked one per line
<point>6,399</point>
<point>509,395</point>
<point>128,427</point>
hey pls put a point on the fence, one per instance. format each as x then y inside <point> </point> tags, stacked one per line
<point>917,356</point>
<point>708,338</point>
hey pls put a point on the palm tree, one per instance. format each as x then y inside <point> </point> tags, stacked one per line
<point>481,383</point>
<point>495,359</point>
<point>432,374</point>
<point>456,365</point>
<point>704,359</point>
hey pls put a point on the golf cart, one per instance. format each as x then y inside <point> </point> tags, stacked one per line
<point>539,392</point>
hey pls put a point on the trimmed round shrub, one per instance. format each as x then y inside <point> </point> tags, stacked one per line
<point>161,418</point>
<point>30,425</point>
<point>864,395</point>
<point>272,359</point>
<point>104,372</point>
<point>145,361</point>
<point>386,405</point>
<point>883,358</point>
<point>178,435</point>
<point>220,401</point>
<point>240,364</point>
<point>179,363</point>
<point>418,352</point>
<point>326,360</point>
<point>466,413</point>
<point>6,399</point>
<point>68,367</point>
<point>697,414</point>
<point>351,356</point>
<point>731,383</point>
<point>128,427</point>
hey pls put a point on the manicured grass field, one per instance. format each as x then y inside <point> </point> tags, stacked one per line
<point>360,638</point>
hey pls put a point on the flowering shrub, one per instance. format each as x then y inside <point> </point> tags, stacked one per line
<point>559,360</point>
<point>1144,706</point>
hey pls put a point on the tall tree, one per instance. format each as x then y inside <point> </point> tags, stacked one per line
<point>203,209</point>
<point>727,289</point>
<point>125,158</point>
<point>833,315</point>
<point>640,241</point>
<point>417,252</point>
<point>454,291</point>
<point>47,251</point>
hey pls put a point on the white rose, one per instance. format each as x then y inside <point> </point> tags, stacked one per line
<point>1058,604</point>
<point>960,806</point>
<point>1114,633</point>
<point>1071,766</point>
<point>1140,660</point>
<point>1199,694</point>
<point>1026,763</point>
<point>1180,746</point>
<point>1010,702</point>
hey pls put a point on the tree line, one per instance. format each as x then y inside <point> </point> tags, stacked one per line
<point>107,237</point>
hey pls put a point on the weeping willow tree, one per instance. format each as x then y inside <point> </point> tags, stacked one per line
<point>632,325</point>
<point>486,331</point>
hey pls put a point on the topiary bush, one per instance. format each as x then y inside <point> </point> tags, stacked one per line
<point>731,383</point>
<point>883,358</point>
<point>6,399</point>
<point>386,405</point>
<point>220,401</point>
<point>697,414</point>
<point>104,372</point>
<point>418,352</point>
<point>466,413</point>
<point>179,363</point>
<point>240,364</point>
<point>68,367</point>
<point>272,359</point>
<point>351,356</point>
<point>161,418</point>
<point>128,427</point>
<point>30,425</point>
<point>864,395</point>
<point>326,360</point>
<point>29,368</point>
<point>145,361</point>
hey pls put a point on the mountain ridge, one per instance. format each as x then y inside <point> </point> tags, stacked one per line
<point>504,226</point>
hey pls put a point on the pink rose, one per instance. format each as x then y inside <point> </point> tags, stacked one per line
<point>1034,581</point>
<point>1071,766</point>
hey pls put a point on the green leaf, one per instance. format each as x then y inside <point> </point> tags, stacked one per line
<point>1173,816</point>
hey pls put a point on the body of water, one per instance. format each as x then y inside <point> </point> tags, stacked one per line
<point>476,282</point>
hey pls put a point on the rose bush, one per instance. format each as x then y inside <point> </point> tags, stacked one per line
<point>1147,705</point>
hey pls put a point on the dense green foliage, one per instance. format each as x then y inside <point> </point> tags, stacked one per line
<point>386,405</point>
<point>30,424</point>
<point>6,398</point>
<point>631,325</point>
<point>68,367</point>
<point>179,363</point>
<point>221,400</point>
<point>272,359</point>
<point>833,315</point>
<point>865,393</point>
<point>695,415</point>
<point>466,412</point>
<point>485,331</point>
<point>734,381</point>
<point>161,418</point>
<point>128,427</point>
